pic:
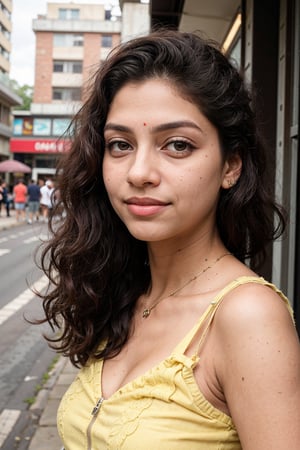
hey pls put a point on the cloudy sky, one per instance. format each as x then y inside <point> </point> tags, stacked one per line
<point>23,38</point>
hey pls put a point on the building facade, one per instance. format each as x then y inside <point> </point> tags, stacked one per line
<point>263,37</point>
<point>8,98</point>
<point>5,35</point>
<point>71,41</point>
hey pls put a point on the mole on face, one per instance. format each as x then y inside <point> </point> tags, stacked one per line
<point>144,124</point>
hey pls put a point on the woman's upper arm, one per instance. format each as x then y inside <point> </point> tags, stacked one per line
<point>258,367</point>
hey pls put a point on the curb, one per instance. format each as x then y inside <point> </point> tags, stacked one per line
<point>43,395</point>
<point>44,409</point>
<point>10,222</point>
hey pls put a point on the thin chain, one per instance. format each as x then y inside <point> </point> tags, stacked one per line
<point>147,311</point>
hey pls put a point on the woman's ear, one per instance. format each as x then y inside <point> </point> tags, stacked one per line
<point>232,171</point>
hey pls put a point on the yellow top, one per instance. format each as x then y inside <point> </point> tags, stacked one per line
<point>162,409</point>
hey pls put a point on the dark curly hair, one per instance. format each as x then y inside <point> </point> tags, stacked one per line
<point>96,269</point>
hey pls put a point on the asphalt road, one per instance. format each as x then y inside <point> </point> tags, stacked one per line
<point>24,354</point>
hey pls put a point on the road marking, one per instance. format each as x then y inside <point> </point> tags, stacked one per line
<point>8,418</point>
<point>15,235</point>
<point>25,297</point>
<point>41,238</point>
<point>4,251</point>
<point>31,239</point>
<point>30,378</point>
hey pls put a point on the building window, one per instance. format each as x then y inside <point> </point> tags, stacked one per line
<point>5,11</point>
<point>5,32</point>
<point>66,94</point>
<point>41,126</point>
<point>60,126</point>
<point>77,40</point>
<point>59,40</point>
<point>107,14</point>
<point>68,14</point>
<point>4,53</point>
<point>106,40</point>
<point>58,66</point>
<point>67,40</point>
<point>67,66</point>
<point>4,115</point>
<point>76,67</point>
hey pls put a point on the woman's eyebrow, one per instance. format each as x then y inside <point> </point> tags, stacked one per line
<point>177,124</point>
<point>158,128</point>
<point>116,127</point>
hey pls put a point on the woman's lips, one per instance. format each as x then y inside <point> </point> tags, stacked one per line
<point>145,206</point>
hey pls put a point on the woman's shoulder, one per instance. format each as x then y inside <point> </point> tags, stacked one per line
<point>253,325</point>
<point>250,301</point>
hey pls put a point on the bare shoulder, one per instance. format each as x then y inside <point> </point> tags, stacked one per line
<point>254,322</point>
<point>253,305</point>
<point>254,327</point>
<point>257,363</point>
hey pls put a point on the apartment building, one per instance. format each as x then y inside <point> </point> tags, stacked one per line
<point>8,98</point>
<point>71,41</point>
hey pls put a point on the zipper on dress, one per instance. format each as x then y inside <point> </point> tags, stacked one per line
<point>94,414</point>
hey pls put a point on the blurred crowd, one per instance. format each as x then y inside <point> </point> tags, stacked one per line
<point>31,201</point>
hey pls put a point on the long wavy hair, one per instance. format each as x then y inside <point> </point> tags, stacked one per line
<point>96,269</point>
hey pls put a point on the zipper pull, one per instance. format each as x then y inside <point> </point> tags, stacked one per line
<point>97,406</point>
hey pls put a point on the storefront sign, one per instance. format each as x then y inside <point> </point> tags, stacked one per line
<point>38,145</point>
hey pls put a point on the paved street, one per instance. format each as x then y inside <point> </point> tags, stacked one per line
<point>24,355</point>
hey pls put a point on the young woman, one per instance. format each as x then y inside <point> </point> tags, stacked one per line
<point>182,345</point>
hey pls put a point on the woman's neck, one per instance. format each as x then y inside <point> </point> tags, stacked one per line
<point>174,263</point>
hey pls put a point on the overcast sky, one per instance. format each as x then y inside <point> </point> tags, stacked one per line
<point>23,38</point>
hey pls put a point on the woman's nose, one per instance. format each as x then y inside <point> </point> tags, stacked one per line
<point>144,168</point>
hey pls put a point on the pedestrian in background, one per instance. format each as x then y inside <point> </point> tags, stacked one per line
<point>46,192</point>
<point>1,195</point>
<point>5,198</point>
<point>33,201</point>
<point>20,197</point>
<point>182,344</point>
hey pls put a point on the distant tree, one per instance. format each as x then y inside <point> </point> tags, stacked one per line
<point>25,92</point>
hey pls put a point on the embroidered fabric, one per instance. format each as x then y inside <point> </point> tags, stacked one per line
<point>164,408</point>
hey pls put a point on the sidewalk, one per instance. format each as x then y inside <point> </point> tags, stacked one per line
<point>9,222</point>
<point>46,435</point>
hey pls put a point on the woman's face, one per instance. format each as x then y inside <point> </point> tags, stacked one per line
<point>163,167</point>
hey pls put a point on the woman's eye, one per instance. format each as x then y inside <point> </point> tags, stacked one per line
<point>179,146</point>
<point>118,146</point>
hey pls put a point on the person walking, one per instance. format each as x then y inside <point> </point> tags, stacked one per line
<point>181,343</point>
<point>5,198</point>
<point>46,200</point>
<point>1,195</point>
<point>20,197</point>
<point>33,201</point>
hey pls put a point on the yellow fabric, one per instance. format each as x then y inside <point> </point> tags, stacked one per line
<point>162,409</point>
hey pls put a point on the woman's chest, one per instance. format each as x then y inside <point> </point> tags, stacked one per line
<point>150,343</point>
<point>161,409</point>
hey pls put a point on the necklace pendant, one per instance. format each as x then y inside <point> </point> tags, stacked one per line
<point>146,313</point>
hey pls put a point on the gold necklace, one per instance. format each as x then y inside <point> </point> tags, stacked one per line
<point>147,311</point>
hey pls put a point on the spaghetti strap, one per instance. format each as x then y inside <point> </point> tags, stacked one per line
<point>210,312</point>
<point>183,345</point>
